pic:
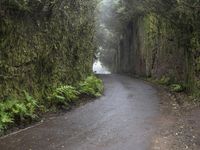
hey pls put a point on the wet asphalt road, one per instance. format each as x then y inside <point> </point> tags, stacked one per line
<point>122,119</point>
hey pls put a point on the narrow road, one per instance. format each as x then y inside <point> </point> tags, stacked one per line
<point>122,119</point>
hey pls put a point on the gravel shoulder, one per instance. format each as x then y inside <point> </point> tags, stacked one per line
<point>179,123</point>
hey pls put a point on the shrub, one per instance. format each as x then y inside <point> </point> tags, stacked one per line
<point>176,88</point>
<point>64,95</point>
<point>14,110</point>
<point>91,86</point>
<point>164,80</point>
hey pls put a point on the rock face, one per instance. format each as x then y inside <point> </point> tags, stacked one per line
<point>44,44</point>
<point>130,59</point>
<point>149,46</point>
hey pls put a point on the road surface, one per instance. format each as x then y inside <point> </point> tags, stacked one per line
<point>122,119</point>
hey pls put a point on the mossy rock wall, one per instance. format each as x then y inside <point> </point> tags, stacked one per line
<point>44,44</point>
<point>153,47</point>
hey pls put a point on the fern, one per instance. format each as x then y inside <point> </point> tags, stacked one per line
<point>176,88</point>
<point>31,105</point>
<point>64,95</point>
<point>91,86</point>
<point>13,110</point>
<point>5,119</point>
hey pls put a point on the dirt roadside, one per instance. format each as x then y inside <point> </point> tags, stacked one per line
<point>179,123</point>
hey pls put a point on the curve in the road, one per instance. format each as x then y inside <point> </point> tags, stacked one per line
<point>122,119</point>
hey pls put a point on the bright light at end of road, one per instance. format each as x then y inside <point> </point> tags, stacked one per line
<point>99,68</point>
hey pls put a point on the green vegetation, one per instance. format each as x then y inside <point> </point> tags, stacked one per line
<point>64,95</point>
<point>169,83</point>
<point>15,111</point>
<point>92,86</point>
<point>164,80</point>
<point>176,88</point>
<point>45,43</point>
<point>159,38</point>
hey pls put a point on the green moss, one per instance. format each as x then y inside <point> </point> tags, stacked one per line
<point>167,54</point>
<point>46,45</point>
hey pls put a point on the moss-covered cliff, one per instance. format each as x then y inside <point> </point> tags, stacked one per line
<point>162,43</point>
<point>44,44</point>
